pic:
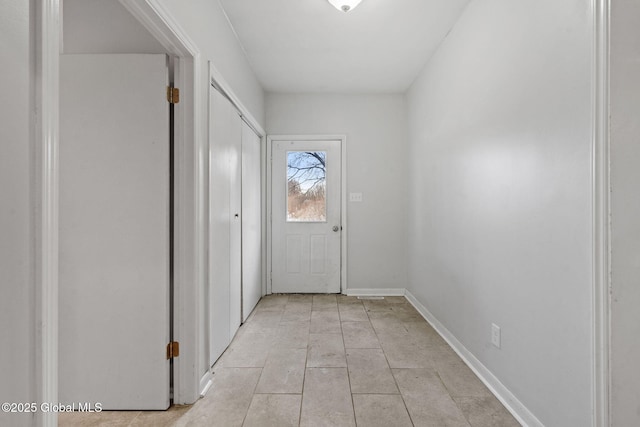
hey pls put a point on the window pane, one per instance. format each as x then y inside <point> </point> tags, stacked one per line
<point>306,186</point>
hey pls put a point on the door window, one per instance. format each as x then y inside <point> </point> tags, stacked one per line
<point>306,186</point>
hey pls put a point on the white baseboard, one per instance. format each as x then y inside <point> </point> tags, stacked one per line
<point>513,405</point>
<point>205,383</point>
<point>386,292</point>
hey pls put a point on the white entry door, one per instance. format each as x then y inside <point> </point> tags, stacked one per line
<point>114,231</point>
<point>306,211</point>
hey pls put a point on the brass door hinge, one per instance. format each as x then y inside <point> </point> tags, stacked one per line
<point>173,349</point>
<point>173,95</point>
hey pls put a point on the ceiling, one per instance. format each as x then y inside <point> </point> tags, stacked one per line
<point>309,46</point>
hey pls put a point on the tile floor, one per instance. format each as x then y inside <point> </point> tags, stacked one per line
<point>331,360</point>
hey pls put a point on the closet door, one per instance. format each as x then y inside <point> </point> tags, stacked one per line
<point>251,221</point>
<point>235,230</point>
<point>224,245</point>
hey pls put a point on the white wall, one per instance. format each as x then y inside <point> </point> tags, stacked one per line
<point>104,26</point>
<point>206,24</point>
<point>375,126</point>
<point>500,208</point>
<point>625,211</point>
<point>17,331</point>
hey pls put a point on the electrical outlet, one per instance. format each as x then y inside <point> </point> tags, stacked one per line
<point>355,197</point>
<point>495,335</point>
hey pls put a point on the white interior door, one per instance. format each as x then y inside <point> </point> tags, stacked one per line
<point>114,231</point>
<point>306,228</point>
<point>224,226</point>
<point>235,232</point>
<point>251,221</point>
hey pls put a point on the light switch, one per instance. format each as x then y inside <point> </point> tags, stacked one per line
<point>355,197</point>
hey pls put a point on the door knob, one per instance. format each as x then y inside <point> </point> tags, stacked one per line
<point>336,228</point>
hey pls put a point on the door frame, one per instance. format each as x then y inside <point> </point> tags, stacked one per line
<point>189,211</point>
<point>343,201</point>
<point>601,214</point>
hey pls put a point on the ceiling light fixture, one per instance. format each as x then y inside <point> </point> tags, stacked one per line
<point>345,5</point>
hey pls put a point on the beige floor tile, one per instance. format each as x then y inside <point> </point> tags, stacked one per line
<point>325,322</point>
<point>419,334</point>
<point>297,314</point>
<point>353,313</point>
<point>248,350</point>
<point>376,305</point>
<point>258,329</point>
<point>261,321</point>
<point>292,335</point>
<point>160,418</point>
<point>369,372</point>
<point>391,339</point>
<point>326,350</point>
<point>274,410</point>
<point>406,309</point>
<point>406,355</point>
<point>327,399</point>
<point>273,303</point>
<point>359,335</point>
<point>325,302</point>
<point>461,381</point>
<point>416,349</point>
<point>347,300</point>
<point>243,357</point>
<point>406,312</point>
<point>300,298</point>
<point>283,371</point>
<point>227,402</point>
<point>386,323</point>
<point>382,314</point>
<point>423,334</point>
<point>298,303</point>
<point>99,419</point>
<point>250,339</point>
<point>380,410</point>
<point>427,400</point>
<point>485,412</point>
<point>442,356</point>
